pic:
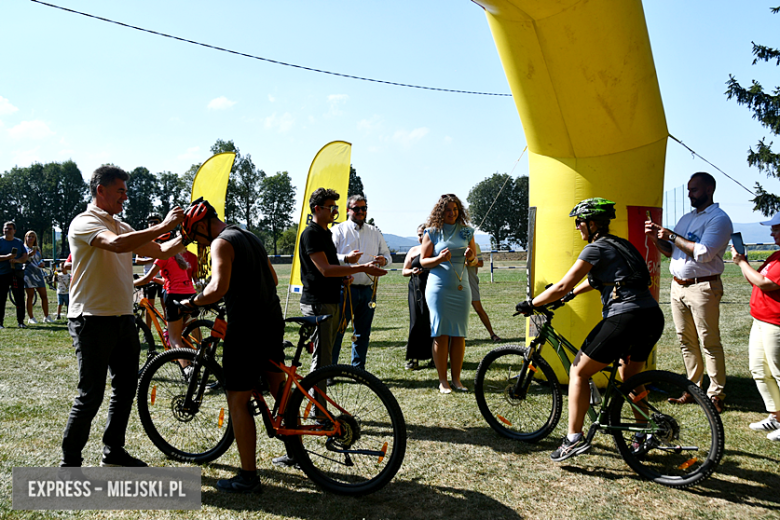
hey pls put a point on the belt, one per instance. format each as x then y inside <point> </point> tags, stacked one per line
<point>691,281</point>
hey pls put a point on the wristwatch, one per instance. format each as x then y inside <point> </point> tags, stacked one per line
<point>673,237</point>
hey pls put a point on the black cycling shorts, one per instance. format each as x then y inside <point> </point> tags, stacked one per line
<point>172,311</point>
<point>248,352</point>
<point>631,334</point>
<point>152,290</point>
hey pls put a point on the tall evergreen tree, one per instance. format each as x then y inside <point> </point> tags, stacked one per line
<point>766,109</point>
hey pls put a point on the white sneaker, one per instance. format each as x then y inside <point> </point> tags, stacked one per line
<point>48,319</point>
<point>773,436</point>
<point>767,425</point>
<point>32,321</point>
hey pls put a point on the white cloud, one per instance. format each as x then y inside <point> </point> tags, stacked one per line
<point>26,157</point>
<point>220,103</point>
<point>271,98</point>
<point>369,125</point>
<point>191,153</point>
<point>6,107</point>
<point>281,123</point>
<point>335,101</point>
<point>407,139</point>
<point>30,130</point>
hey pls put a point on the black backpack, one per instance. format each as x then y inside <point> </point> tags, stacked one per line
<point>640,275</point>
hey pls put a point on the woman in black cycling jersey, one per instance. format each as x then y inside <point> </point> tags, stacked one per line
<point>632,321</point>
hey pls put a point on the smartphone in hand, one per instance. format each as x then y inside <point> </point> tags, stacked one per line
<point>14,251</point>
<point>739,245</point>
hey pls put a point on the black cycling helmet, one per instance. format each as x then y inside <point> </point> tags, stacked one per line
<point>595,208</point>
<point>198,210</point>
<point>154,216</point>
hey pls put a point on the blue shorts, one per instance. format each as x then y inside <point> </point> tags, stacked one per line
<point>63,299</point>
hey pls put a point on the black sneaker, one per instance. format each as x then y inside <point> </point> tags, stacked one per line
<point>240,484</point>
<point>412,365</point>
<point>21,325</point>
<point>119,458</point>
<point>285,461</point>
<point>570,449</point>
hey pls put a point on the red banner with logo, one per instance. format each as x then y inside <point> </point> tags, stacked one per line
<point>637,216</point>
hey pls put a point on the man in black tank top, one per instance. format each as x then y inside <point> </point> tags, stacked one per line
<point>241,273</point>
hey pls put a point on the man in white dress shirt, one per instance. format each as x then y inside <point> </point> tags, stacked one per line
<point>358,242</point>
<point>696,247</point>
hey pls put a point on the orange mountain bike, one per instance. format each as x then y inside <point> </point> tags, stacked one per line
<point>349,439</point>
<point>193,332</point>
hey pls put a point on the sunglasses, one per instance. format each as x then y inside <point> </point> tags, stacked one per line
<point>359,208</point>
<point>333,209</point>
<point>578,221</point>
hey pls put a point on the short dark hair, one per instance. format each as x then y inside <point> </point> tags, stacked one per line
<point>320,195</point>
<point>105,176</point>
<point>10,223</point>
<point>706,178</point>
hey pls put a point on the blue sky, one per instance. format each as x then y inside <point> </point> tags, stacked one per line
<point>78,88</point>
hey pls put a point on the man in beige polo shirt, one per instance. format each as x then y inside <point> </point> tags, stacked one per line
<point>100,315</point>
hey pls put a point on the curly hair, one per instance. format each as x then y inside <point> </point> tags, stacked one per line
<point>436,218</point>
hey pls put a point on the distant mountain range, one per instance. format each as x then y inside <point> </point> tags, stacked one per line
<point>753,233</point>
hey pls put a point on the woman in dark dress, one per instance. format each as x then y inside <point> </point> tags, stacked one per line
<point>418,347</point>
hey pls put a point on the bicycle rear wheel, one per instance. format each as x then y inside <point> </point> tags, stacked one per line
<point>684,444</point>
<point>370,447</point>
<point>198,330</point>
<point>512,396</point>
<point>200,434</point>
<point>146,339</point>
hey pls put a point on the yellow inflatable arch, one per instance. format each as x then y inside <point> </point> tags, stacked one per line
<point>583,80</point>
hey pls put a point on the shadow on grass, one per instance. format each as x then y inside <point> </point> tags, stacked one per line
<point>478,436</point>
<point>743,486</point>
<point>289,493</point>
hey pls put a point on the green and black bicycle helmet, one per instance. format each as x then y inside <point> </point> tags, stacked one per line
<point>595,208</point>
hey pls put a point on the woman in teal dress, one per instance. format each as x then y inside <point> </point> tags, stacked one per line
<point>447,245</point>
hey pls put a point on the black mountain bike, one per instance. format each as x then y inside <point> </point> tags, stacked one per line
<point>520,397</point>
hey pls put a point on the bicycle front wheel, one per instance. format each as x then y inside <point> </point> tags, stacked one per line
<point>200,433</point>
<point>519,398</point>
<point>369,447</point>
<point>682,444</point>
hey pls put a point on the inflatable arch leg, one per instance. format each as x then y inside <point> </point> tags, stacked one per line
<point>585,86</point>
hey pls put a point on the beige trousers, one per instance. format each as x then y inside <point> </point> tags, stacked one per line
<point>696,313</point>
<point>764,362</point>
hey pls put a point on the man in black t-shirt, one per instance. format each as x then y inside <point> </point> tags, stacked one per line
<point>322,277</point>
<point>321,273</point>
<point>241,273</point>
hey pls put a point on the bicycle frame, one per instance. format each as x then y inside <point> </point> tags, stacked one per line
<point>547,334</point>
<point>157,317</point>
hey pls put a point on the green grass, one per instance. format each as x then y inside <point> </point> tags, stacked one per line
<point>455,467</point>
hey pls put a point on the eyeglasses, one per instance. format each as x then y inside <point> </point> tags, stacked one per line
<point>333,209</point>
<point>578,221</point>
<point>359,208</point>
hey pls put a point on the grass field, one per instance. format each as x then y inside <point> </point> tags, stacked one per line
<point>455,467</point>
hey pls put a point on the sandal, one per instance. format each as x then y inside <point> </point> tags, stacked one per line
<point>495,338</point>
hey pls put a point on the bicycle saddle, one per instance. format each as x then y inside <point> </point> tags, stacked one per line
<point>309,320</point>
